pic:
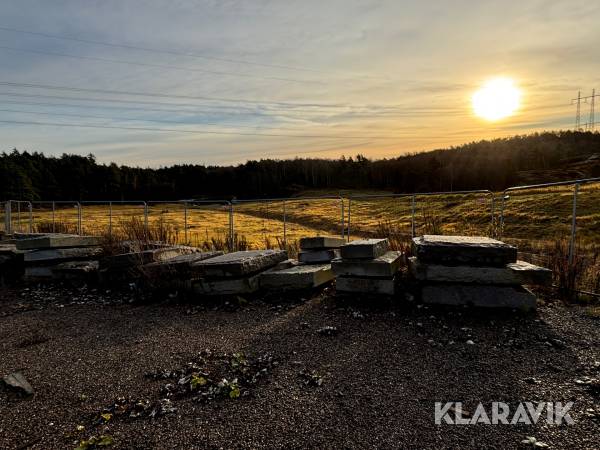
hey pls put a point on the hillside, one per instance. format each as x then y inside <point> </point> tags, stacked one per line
<point>494,164</point>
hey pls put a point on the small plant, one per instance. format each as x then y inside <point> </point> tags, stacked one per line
<point>567,270</point>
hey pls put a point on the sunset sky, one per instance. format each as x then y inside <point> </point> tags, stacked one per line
<point>239,80</point>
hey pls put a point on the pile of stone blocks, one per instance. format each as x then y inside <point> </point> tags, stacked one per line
<point>313,268</point>
<point>319,249</point>
<point>234,273</point>
<point>478,271</point>
<point>367,266</point>
<point>136,262</point>
<point>59,256</point>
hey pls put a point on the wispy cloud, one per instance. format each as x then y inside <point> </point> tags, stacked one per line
<point>342,68</point>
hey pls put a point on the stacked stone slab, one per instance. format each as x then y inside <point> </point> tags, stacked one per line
<point>233,273</point>
<point>319,249</point>
<point>312,269</point>
<point>367,266</point>
<point>480,271</point>
<point>59,256</point>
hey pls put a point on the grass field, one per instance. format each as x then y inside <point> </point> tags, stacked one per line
<point>534,220</point>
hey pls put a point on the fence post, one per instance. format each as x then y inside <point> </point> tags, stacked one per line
<point>19,216</point>
<point>492,227</point>
<point>79,218</point>
<point>501,233</point>
<point>343,215</point>
<point>284,226</point>
<point>146,218</point>
<point>30,207</point>
<point>53,216</point>
<point>231,229</point>
<point>412,215</point>
<point>573,225</point>
<point>349,212</point>
<point>110,219</point>
<point>185,222</point>
<point>8,218</point>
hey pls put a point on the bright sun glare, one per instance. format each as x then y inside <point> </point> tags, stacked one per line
<point>498,98</point>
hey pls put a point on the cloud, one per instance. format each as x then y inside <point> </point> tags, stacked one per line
<point>400,69</point>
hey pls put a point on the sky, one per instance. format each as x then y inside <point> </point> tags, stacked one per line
<point>154,83</point>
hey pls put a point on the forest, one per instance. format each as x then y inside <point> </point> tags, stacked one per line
<point>487,164</point>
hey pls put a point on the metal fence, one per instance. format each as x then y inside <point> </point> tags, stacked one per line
<point>532,216</point>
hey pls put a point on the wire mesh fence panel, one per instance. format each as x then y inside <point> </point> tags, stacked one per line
<point>534,219</point>
<point>587,244</point>
<point>19,217</point>
<point>380,216</point>
<point>281,223</point>
<point>116,219</point>
<point>540,222</point>
<point>166,221</point>
<point>55,217</point>
<point>4,217</point>
<point>207,225</point>
<point>312,217</point>
<point>468,214</point>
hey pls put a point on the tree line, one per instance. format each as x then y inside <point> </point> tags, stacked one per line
<point>487,164</point>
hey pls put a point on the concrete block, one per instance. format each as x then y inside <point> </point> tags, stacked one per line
<point>134,259</point>
<point>321,242</point>
<point>463,250</point>
<point>384,266</point>
<point>239,264</point>
<point>75,270</point>
<point>297,277</point>
<point>179,266</point>
<point>57,241</point>
<point>318,256</point>
<point>517,273</point>
<point>61,254</point>
<point>365,249</point>
<point>486,296</point>
<point>227,286</point>
<point>380,286</point>
<point>38,273</point>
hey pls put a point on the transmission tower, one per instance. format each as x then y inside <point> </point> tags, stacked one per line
<point>592,119</point>
<point>578,113</point>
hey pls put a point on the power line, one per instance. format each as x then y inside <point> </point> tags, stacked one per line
<point>188,97</point>
<point>225,125</point>
<point>166,52</point>
<point>160,66</point>
<point>172,130</point>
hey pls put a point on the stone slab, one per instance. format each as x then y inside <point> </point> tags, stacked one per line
<point>179,266</point>
<point>75,270</point>
<point>463,250</point>
<point>517,273</point>
<point>379,286</point>
<point>303,276</point>
<point>318,256</point>
<point>58,241</point>
<point>52,255</point>
<point>38,273</point>
<point>134,259</point>
<point>477,295</point>
<point>321,242</point>
<point>384,266</point>
<point>365,249</point>
<point>239,264</point>
<point>229,286</point>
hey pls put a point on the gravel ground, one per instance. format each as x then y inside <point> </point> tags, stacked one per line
<point>376,376</point>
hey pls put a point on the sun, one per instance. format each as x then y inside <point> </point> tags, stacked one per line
<point>496,99</point>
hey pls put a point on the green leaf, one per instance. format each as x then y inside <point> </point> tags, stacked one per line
<point>235,392</point>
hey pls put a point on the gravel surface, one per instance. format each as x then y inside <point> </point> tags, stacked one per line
<point>369,382</point>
